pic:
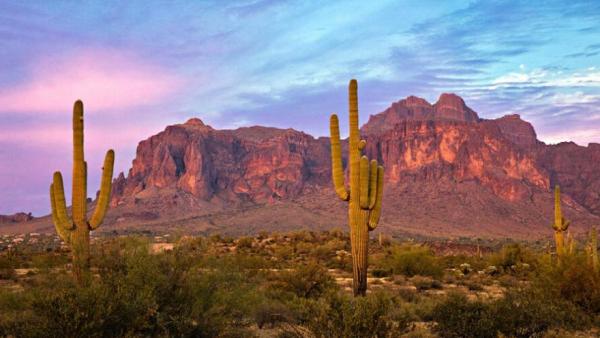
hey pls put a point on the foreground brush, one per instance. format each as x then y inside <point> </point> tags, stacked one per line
<point>76,230</point>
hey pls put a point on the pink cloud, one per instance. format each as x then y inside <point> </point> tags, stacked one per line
<point>104,79</point>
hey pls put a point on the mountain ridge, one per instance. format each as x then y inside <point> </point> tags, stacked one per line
<point>448,173</point>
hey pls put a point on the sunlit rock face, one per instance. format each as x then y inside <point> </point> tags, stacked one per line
<point>462,151</point>
<point>255,163</point>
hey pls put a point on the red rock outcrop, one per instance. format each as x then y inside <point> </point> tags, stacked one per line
<point>256,164</point>
<point>15,218</point>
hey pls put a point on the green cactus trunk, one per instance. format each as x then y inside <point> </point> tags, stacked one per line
<point>560,225</point>
<point>366,190</point>
<point>76,230</point>
<point>593,250</point>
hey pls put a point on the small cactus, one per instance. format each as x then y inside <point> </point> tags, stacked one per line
<point>560,224</point>
<point>592,249</point>
<point>365,193</point>
<point>570,244</point>
<point>76,230</point>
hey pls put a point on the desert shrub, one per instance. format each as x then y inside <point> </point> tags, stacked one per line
<point>573,281</point>
<point>408,294</point>
<point>307,281</point>
<point>136,294</point>
<point>289,333</point>
<point>423,283</point>
<point>459,317</point>
<point>379,273</point>
<point>413,260</point>
<point>473,286</point>
<point>530,312</point>
<point>513,256</point>
<point>526,312</point>
<point>245,242</point>
<point>271,313</point>
<point>340,315</point>
<point>48,260</point>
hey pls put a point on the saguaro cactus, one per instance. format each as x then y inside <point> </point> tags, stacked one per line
<point>570,244</point>
<point>560,224</point>
<point>593,250</point>
<point>365,194</point>
<point>76,230</point>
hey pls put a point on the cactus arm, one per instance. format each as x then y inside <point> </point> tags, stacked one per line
<point>376,212</point>
<point>105,190</point>
<point>61,228</point>
<point>557,211</point>
<point>364,182</point>
<point>565,224</point>
<point>79,199</point>
<point>60,205</point>
<point>337,170</point>
<point>354,143</point>
<point>373,184</point>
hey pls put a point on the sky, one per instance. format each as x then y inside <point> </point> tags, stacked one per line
<point>139,66</point>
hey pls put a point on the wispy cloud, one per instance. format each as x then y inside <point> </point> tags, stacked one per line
<point>105,79</point>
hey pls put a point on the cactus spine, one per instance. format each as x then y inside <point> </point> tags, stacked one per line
<point>76,230</point>
<point>560,224</point>
<point>365,194</point>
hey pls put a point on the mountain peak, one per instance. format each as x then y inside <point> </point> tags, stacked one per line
<point>449,107</point>
<point>452,107</point>
<point>451,99</point>
<point>194,121</point>
<point>414,101</point>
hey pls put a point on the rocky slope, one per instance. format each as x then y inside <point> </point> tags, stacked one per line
<point>448,173</point>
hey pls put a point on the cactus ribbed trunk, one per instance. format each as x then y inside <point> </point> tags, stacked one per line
<point>559,240</point>
<point>359,241</point>
<point>80,248</point>
<point>366,190</point>
<point>560,225</point>
<point>76,230</point>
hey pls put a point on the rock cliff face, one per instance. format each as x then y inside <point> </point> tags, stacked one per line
<point>256,164</point>
<point>447,172</point>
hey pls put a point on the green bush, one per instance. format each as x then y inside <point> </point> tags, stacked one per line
<point>307,281</point>
<point>512,257</point>
<point>411,260</point>
<point>458,317</point>
<point>340,315</point>
<point>136,294</point>
<point>531,312</point>
<point>573,281</point>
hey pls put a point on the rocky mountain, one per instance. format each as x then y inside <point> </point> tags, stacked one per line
<point>19,217</point>
<point>448,173</point>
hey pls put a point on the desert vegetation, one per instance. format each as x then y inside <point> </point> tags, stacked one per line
<point>294,285</point>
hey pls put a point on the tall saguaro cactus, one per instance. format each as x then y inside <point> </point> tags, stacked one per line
<point>560,224</point>
<point>76,230</point>
<point>365,194</point>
